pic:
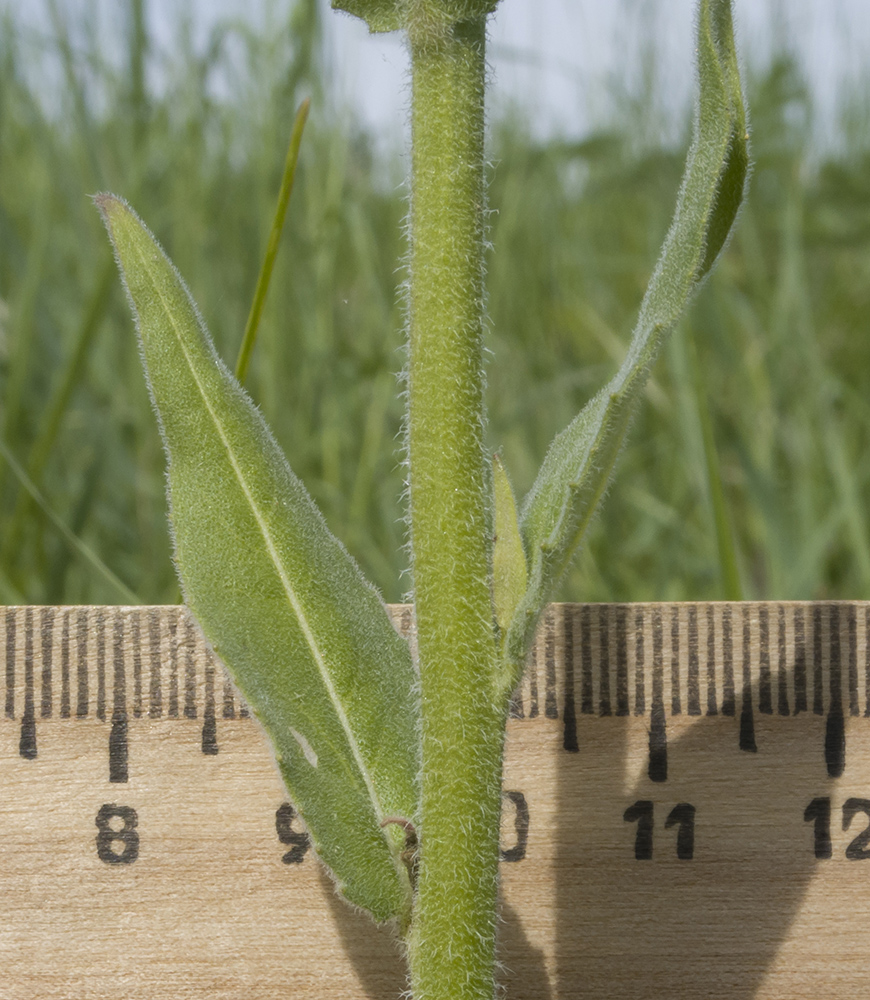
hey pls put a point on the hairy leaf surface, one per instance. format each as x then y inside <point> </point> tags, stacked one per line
<point>509,571</point>
<point>575,472</point>
<point>306,639</point>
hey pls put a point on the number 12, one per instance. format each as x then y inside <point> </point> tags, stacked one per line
<point>818,812</point>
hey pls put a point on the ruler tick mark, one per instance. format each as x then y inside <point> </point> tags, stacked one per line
<point>155,690</point>
<point>604,661</point>
<point>209,725</point>
<point>10,663</point>
<point>712,708</point>
<point>82,663</point>
<point>64,667</point>
<point>229,711</point>
<point>569,733</point>
<point>728,697</point>
<point>550,709</point>
<point>189,670</point>
<point>867,662</point>
<point>693,679</point>
<point>765,687</point>
<point>585,661</point>
<point>852,618</point>
<point>118,748</point>
<point>46,626</point>
<point>658,740</point>
<point>639,687</point>
<point>676,702</point>
<point>173,671</point>
<point>835,731</point>
<point>835,742</point>
<point>27,742</point>
<point>800,662</point>
<point>621,660</point>
<point>533,684</point>
<point>747,721</point>
<point>818,708</point>
<point>136,625</point>
<point>596,660</point>
<point>782,653</point>
<point>101,666</point>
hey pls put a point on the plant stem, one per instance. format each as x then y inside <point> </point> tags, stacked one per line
<point>452,938</point>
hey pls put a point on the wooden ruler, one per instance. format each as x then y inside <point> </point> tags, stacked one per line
<point>686,815</point>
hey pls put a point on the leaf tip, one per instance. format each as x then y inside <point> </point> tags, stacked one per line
<point>113,210</point>
<point>108,204</point>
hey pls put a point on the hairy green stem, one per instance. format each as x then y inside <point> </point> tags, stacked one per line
<point>452,939</point>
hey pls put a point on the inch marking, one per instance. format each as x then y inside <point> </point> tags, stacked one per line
<point>694,681</point>
<point>767,658</point>
<point>658,740</point>
<point>747,719</point>
<point>27,743</point>
<point>106,650</point>
<point>209,726</point>
<point>118,735</point>
<point>47,629</point>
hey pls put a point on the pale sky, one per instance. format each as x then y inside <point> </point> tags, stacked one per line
<point>550,56</point>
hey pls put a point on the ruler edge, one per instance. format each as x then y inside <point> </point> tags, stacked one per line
<point>554,670</point>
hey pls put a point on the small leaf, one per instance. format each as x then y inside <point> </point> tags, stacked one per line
<point>306,639</point>
<point>509,573</point>
<point>379,15</point>
<point>391,15</point>
<point>577,467</point>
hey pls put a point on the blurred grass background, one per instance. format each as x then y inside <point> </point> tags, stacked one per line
<point>748,468</point>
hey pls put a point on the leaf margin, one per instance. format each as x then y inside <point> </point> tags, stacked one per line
<point>575,472</point>
<point>116,213</point>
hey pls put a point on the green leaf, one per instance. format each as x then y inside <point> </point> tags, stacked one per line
<point>576,470</point>
<point>392,15</point>
<point>306,639</point>
<point>509,573</point>
<point>379,15</point>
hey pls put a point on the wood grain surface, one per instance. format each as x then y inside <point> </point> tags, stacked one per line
<point>686,815</point>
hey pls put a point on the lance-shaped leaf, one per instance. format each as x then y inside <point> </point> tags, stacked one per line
<point>306,639</point>
<point>577,467</point>
<point>509,572</point>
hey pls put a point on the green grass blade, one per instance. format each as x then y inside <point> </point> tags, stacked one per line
<point>732,589</point>
<point>306,638</point>
<point>58,404</point>
<point>74,542</point>
<point>253,323</point>
<point>577,467</point>
<point>22,333</point>
<point>56,568</point>
<point>9,593</point>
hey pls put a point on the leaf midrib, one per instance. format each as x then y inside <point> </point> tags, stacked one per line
<point>292,598</point>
